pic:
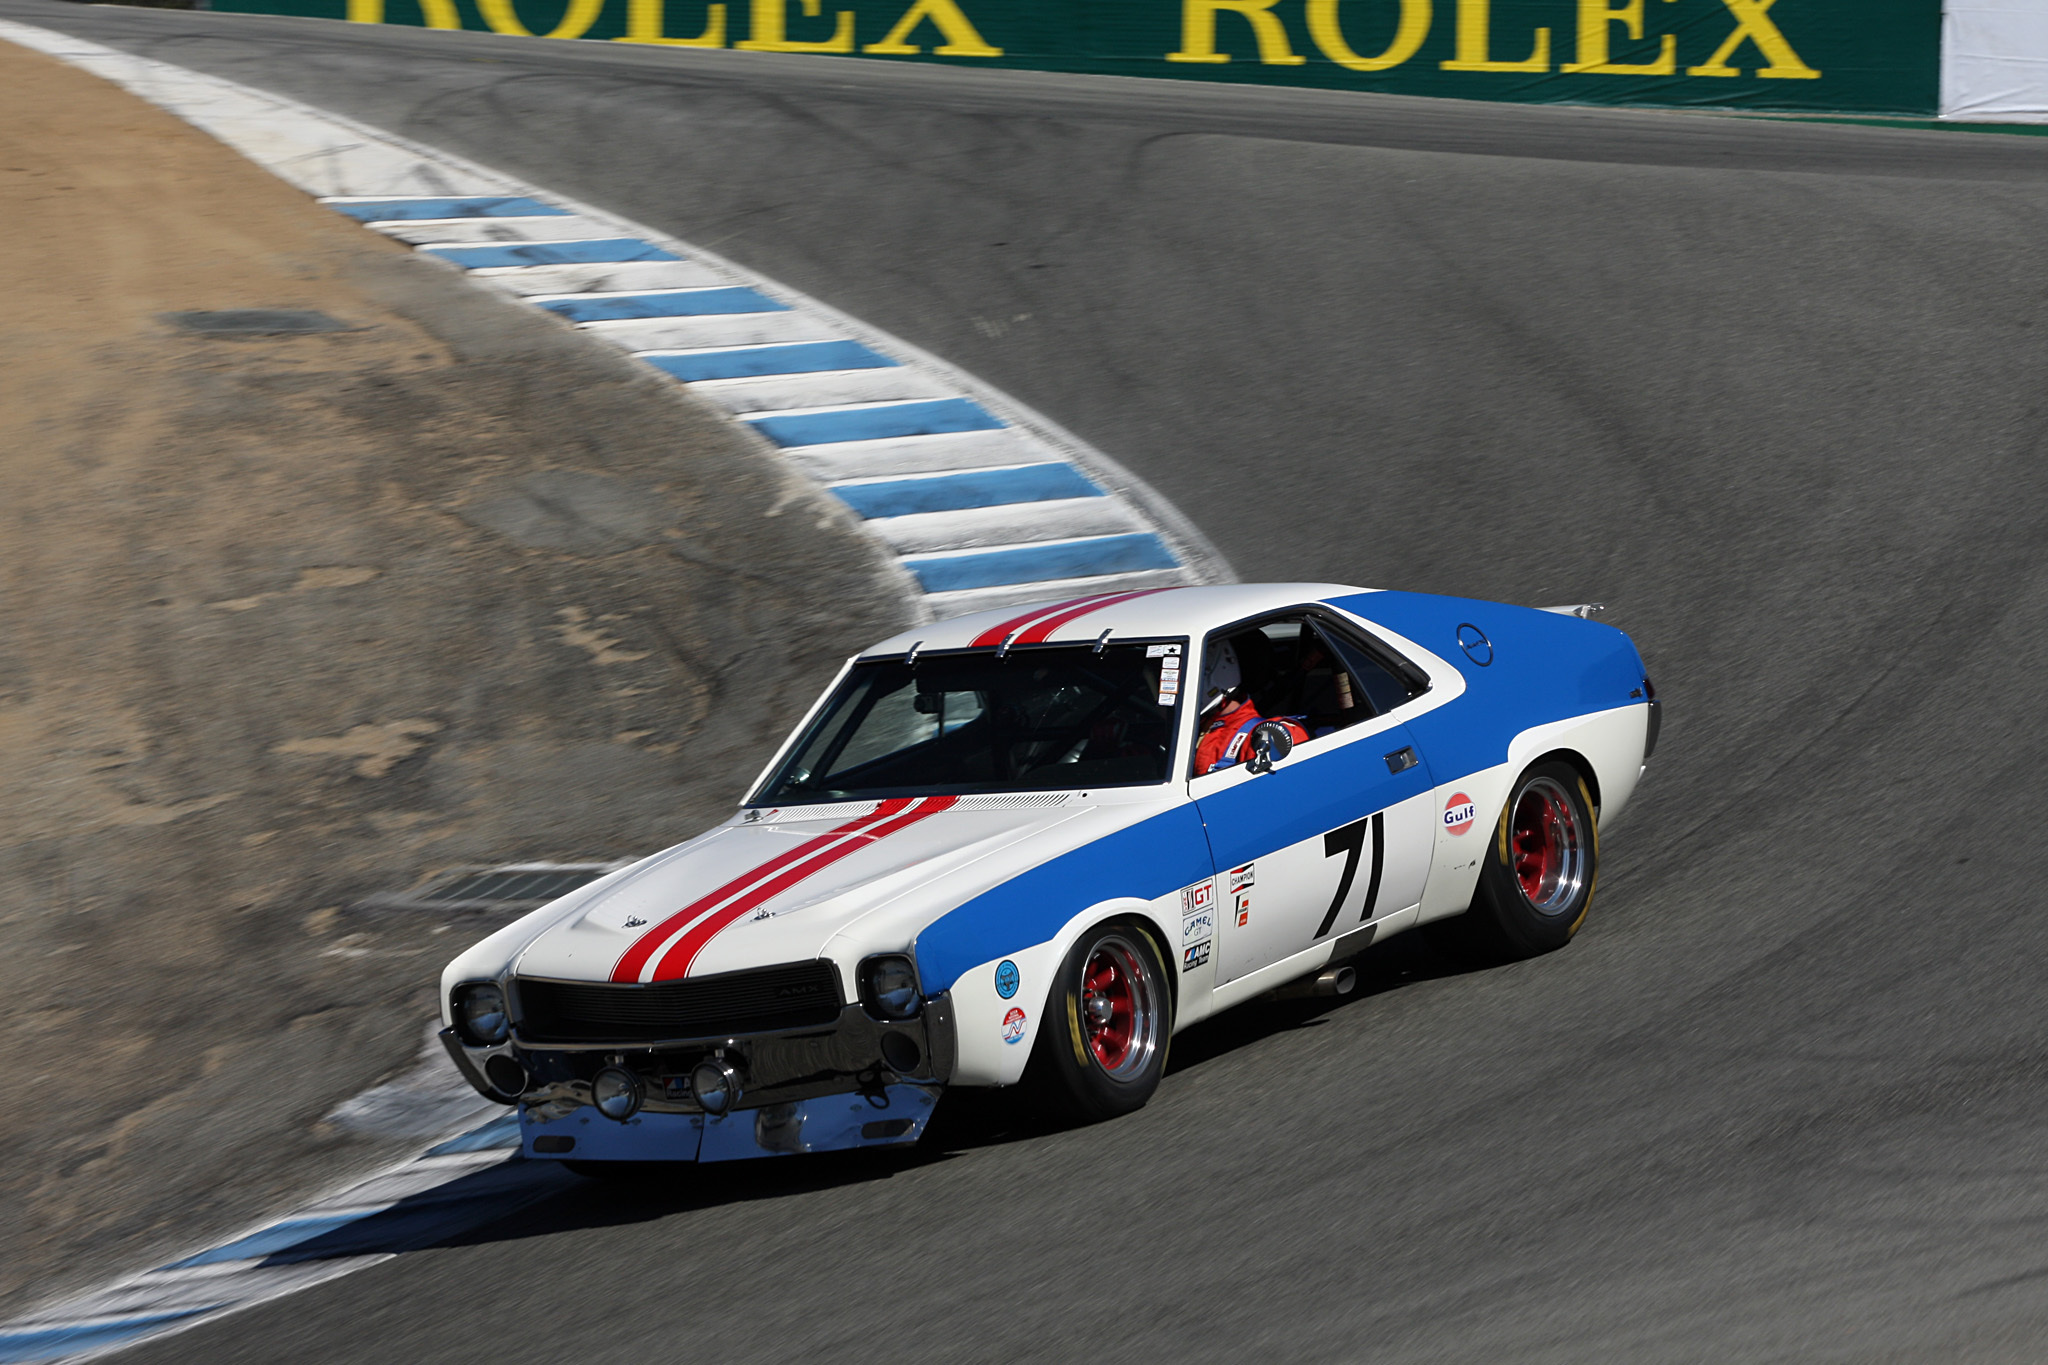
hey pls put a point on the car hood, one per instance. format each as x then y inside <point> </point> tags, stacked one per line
<point>780,886</point>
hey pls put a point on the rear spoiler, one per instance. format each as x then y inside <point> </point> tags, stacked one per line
<point>1585,611</point>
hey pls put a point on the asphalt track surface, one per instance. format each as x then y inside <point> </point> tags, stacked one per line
<point>1776,392</point>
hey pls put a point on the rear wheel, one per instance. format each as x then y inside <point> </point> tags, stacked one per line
<point>1108,1020</point>
<point>1536,880</point>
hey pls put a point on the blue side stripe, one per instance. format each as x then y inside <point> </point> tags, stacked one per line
<point>927,418</point>
<point>274,1238</point>
<point>973,488</point>
<point>807,357</point>
<point>48,1343</point>
<point>1032,563</point>
<point>479,206</point>
<point>690,303</point>
<point>1144,861</point>
<point>595,251</point>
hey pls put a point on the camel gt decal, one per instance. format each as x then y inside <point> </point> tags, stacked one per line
<point>1459,814</point>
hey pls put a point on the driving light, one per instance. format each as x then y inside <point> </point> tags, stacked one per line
<point>616,1093</point>
<point>715,1084</point>
<point>480,1009</point>
<point>888,987</point>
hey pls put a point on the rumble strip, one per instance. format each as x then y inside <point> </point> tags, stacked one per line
<point>981,501</point>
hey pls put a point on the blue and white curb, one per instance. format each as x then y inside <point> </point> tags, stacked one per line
<point>463,1182</point>
<point>983,502</point>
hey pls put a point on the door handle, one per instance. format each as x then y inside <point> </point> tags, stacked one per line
<point>1402,759</point>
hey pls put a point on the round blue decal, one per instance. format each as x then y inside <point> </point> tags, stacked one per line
<point>1006,978</point>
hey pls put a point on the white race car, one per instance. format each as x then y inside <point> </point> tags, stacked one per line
<point>990,843</point>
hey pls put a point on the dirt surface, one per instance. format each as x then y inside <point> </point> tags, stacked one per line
<point>286,620</point>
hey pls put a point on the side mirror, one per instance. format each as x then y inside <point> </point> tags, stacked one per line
<point>1270,744</point>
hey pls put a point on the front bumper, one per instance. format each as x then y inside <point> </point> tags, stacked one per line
<point>855,1082</point>
<point>889,1117</point>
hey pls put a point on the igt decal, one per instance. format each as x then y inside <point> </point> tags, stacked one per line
<point>1459,814</point>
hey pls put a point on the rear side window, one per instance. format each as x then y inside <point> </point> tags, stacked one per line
<point>1387,683</point>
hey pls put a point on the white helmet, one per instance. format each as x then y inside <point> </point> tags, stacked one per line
<point>1221,674</point>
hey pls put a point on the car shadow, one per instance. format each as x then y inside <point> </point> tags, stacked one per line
<point>518,1200</point>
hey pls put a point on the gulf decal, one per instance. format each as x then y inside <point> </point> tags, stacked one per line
<point>666,951</point>
<point>1034,627</point>
<point>1459,812</point>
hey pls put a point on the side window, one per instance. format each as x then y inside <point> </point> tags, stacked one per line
<point>1384,687</point>
<point>1288,668</point>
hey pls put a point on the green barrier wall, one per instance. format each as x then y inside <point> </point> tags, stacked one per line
<point>1876,56</point>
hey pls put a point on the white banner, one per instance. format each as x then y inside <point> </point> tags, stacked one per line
<point>1994,60</point>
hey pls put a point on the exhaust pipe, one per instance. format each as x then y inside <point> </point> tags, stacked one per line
<point>1331,981</point>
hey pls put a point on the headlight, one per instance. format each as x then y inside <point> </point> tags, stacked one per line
<point>480,1014</point>
<point>888,987</point>
<point>616,1093</point>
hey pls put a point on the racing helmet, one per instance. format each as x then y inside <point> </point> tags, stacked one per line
<point>1221,675</point>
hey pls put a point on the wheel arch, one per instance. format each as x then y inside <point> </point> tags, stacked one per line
<point>983,1057</point>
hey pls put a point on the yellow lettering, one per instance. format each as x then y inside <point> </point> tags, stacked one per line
<point>1595,18</point>
<point>1475,42</point>
<point>437,13</point>
<point>1198,32</point>
<point>502,18</point>
<point>1752,23</point>
<point>643,25</point>
<point>961,38</point>
<point>769,35</point>
<point>1408,35</point>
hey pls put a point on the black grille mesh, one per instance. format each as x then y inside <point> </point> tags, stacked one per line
<point>796,995</point>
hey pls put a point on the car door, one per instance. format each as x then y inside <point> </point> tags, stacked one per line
<point>1336,835</point>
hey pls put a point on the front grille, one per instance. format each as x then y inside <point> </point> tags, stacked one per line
<point>795,995</point>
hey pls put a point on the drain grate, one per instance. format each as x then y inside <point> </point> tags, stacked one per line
<point>504,888</point>
<point>257,322</point>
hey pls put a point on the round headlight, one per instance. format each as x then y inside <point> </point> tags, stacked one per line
<point>481,1011</point>
<point>888,987</point>
<point>715,1084</point>
<point>616,1093</point>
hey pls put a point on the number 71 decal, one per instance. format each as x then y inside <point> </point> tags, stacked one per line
<point>1350,841</point>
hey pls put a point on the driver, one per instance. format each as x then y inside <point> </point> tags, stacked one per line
<point>1229,715</point>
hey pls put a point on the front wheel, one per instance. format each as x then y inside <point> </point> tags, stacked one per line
<point>1536,880</point>
<point>1108,1021</point>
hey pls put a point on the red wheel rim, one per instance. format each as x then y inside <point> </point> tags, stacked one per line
<point>1545,848</point>
<point>1119,1017</point>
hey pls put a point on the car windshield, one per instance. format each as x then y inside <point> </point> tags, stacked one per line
<point>1039,718</point>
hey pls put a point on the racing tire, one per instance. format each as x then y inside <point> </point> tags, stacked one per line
<point>1108,1022</point>
<point>1537,877</point>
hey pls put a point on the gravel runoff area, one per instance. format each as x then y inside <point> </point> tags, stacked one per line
<point>287,619</point>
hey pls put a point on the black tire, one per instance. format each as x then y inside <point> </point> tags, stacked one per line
<point>1537,877</point>
<point>1102,1045</point>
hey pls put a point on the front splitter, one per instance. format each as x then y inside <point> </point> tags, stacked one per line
<point>895,1115</point>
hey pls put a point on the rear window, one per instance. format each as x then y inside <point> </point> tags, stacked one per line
<point>1037,719</point>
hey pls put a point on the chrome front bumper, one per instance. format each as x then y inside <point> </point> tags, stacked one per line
<point>815,1081</point>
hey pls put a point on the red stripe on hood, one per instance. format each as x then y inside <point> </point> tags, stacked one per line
<point>627,968</point>
<point>995,635</point>
<point>1040,631</point>
<point>676,961</point>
